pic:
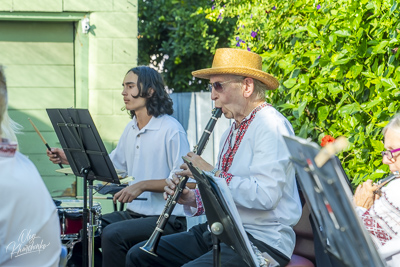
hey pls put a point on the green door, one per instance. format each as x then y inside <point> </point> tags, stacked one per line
<point>39,66</point>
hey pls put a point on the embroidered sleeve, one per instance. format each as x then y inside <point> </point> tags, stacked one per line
<point>378,233</point>
<point>200,208</point>
<point>382,226</point>
<point>227,176</point>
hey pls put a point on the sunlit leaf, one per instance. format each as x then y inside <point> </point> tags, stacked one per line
<point>342,33</point>
<point>323,113</point>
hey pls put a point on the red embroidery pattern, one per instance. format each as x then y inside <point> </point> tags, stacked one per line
<point>230,153</point>
<point>227,159</point>
<point>375,229</point>
<point>200,208</point>
<point>7,149</point>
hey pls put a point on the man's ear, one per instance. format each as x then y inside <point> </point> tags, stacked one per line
<point>150,92</point>
<point>249,87</point>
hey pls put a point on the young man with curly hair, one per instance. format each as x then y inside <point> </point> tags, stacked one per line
<point>150,150</point>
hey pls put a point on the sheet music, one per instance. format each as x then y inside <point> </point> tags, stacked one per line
<point>227,197</point>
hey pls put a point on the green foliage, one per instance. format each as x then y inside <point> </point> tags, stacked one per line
<point>180,38</point>
<point>338,67</point>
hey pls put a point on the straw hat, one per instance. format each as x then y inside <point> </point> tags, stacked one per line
<point>238,62</point>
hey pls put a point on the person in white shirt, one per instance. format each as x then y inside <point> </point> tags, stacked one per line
<point>29,223</point>
<point>380,212</point>
<point>150,150</point>
<point>254,162</point>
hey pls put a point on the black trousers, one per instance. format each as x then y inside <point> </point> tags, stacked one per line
<point>120,231</point>
<point>194,248</point>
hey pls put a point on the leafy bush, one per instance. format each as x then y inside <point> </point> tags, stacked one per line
<point>180,39</point>
<point>338,66</point>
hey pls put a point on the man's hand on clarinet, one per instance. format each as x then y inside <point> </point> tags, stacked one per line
<point>57,156</point>
<point>197,162</point>
<point>365,194</point>
<point>187,196</point>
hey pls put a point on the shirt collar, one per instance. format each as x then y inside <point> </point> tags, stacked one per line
<point>7,148</point>
<point>251,114</point>
<point>153,125</point>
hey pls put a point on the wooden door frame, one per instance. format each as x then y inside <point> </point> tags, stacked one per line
<point>81,46</point>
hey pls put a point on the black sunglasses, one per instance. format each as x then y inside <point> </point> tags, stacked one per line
<point>217,86</point>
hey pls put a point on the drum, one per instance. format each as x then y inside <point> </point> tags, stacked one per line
<point>71,217</point>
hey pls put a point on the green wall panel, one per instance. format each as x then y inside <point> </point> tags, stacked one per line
<point>39,66</point>
<point>39,53</point>
<point>101,102</point>
<point>88,5</point>
<point>101,50</point>
<point>5,5</point>
<point>76,5</point>
<point>39,118</point>
<point>40,98</point>
<point>42,5</point>
<point>114,25</point>
<point>108,75</point>
<point>125,5</point>
<point>31,143</point>
<point>48,76</point>
<point>125,50</point>
<point>36,31</point>
<point>111,126</point>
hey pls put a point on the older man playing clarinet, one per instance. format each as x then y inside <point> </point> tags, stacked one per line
<point>254,162</point>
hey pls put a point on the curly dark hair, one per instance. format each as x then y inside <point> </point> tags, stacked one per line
<point>158,103</point>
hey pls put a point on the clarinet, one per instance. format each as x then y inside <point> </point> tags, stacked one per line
<point>386,180</point>
<point>152,243</point>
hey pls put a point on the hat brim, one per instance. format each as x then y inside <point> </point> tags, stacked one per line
<point>269,80</point>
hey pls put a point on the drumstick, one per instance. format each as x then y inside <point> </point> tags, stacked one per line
<point>105,197</point>
<point>44,141</point>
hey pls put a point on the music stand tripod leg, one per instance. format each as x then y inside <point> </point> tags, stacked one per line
<point>87,237</point>
<point>85,172</point>
<point>91,225</point>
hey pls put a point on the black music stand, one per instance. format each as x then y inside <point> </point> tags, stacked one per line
<point>224,225</point>
<point>329,197</point>
<point>87,157</point>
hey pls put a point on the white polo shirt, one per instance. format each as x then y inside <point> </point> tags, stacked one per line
<point>151,153</point>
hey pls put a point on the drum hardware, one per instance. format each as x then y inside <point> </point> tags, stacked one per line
<point>71,218</point>
<point>70,212</point>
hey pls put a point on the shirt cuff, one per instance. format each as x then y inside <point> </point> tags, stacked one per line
<point>360,210</point>
<point>190,211</point>
<point>227,176</point>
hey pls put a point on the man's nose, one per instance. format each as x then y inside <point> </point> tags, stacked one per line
<point>214,94</point>
<point>386,161</point>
